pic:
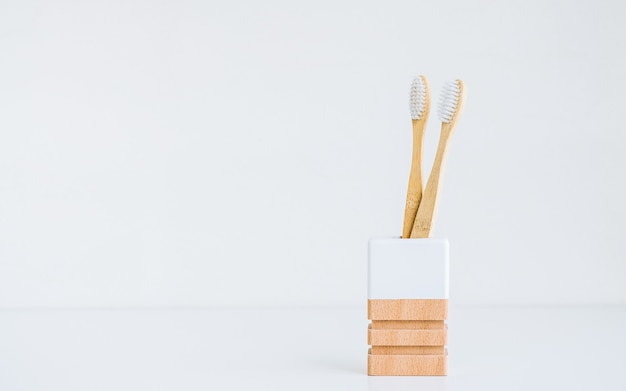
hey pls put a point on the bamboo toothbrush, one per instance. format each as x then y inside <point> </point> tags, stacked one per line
<point>449,110</point>
<point>419,104</point>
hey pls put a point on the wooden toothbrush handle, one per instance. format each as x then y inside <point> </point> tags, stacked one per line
<point>426,212</point>
<point>414,192</point>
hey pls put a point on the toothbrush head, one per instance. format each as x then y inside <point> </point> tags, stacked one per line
<point>418,97</point>
<point>450,101</point>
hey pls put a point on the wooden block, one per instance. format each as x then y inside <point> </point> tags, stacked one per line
<point>407,309</point>
<point>404,350</point>
<point>388,337</point>
<point>407,365</point>
<point>408,324</point>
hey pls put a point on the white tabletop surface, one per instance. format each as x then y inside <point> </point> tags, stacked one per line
<point>558,348</point>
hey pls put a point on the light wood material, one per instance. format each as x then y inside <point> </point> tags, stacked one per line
<point>407,309</point>
<point>426,212</point>
<point>407,337</point>
<point>407,365</point>
<point>414,192</point>
<point>407,350</point>
<point>408,324</point>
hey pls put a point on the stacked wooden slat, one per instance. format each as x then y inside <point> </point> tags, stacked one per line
<point>407,337</point>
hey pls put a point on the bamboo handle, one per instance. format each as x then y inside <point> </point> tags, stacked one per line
<point>414,192</point>
<point>426,212</point>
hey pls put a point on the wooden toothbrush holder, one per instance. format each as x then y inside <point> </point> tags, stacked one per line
<point>408,307</point>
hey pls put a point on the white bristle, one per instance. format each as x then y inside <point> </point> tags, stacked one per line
<point>417,98</point>
<point>449,100</point>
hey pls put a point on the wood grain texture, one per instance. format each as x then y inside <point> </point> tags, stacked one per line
<point>407,337</point>
<point>407,365</point>
<point>404,350</point>
<point>426,212</point>
<point>407,309</point>
<point>408,324</point>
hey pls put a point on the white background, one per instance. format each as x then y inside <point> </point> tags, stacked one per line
<point>194,153</point>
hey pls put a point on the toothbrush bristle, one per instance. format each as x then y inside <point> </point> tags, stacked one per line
<point>417,98</point>
<point>449,100</point>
